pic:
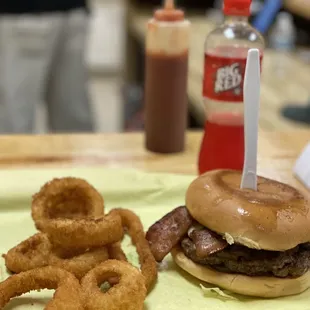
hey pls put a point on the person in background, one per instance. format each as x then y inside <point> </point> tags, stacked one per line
<point>42,45</point>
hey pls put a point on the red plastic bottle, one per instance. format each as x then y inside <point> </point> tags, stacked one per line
<point>226,50</point>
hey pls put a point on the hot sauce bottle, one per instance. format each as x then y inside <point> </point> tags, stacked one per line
<point>166,106</point>
<point>226,50</point>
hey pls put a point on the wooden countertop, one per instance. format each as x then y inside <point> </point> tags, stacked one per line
<point>299,7</point>
<point>285,78</point>
<point>277,153</point>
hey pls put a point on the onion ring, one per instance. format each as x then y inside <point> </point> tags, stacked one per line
<point>116,252</point>
<point>66,297</point>
<point>128,294</point>
<point>135,230</point>
<point>67,211</point>
<point>37,252</point>
<point>84,233</point>
<point>70,198</point>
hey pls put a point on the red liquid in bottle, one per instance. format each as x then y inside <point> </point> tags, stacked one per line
<point>226,49</point>
<point>223,143</point>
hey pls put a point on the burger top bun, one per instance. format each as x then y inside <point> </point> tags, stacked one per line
<point>267,287</point>
<point>275,217</point>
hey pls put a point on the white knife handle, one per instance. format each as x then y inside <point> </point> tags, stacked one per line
<point>251,118</point>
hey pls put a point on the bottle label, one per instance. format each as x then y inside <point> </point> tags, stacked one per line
<point>223,78</point>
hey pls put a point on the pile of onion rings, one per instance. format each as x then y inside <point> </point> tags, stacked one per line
<point>78,239</point>
<point>70,212</point>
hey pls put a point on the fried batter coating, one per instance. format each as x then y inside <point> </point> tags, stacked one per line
<point>69,198</point>
<point>70,212</point>
<point>128,294</point>
<point>135,230</point>
<point>37,252</point>
<point>66,297</point>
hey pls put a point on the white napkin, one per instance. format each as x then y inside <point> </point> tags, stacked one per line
<point>302,167</point>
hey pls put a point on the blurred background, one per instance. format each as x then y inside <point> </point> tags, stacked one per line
<point>114,65</point>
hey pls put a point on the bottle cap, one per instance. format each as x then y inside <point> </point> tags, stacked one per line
<point>237,7</point>
<point>169,13</point>
<point>285,21</point>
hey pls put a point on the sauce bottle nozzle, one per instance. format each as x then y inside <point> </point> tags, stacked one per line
<point>169,13</point>
<point>169,5</point>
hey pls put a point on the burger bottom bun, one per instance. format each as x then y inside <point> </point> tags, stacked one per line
<point>267,287</point>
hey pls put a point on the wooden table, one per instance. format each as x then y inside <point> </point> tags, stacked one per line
<point>299,7</point>
<point>277,153</point>
<point>285,77</point>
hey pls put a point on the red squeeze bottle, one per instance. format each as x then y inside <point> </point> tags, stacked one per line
<point>166,106</point>
<point>226,51</point>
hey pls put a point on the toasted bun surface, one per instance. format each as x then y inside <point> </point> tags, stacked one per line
<point>267,287</point>
<point>275,217</point>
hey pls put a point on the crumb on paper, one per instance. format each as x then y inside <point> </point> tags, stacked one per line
<point>215,290</point>
<point>163,266</point>
<point>105,287</point>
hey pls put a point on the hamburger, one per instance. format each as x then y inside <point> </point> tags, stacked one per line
<point>255,243</point>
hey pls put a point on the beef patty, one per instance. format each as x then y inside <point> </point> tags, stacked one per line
<point>242,260</point>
